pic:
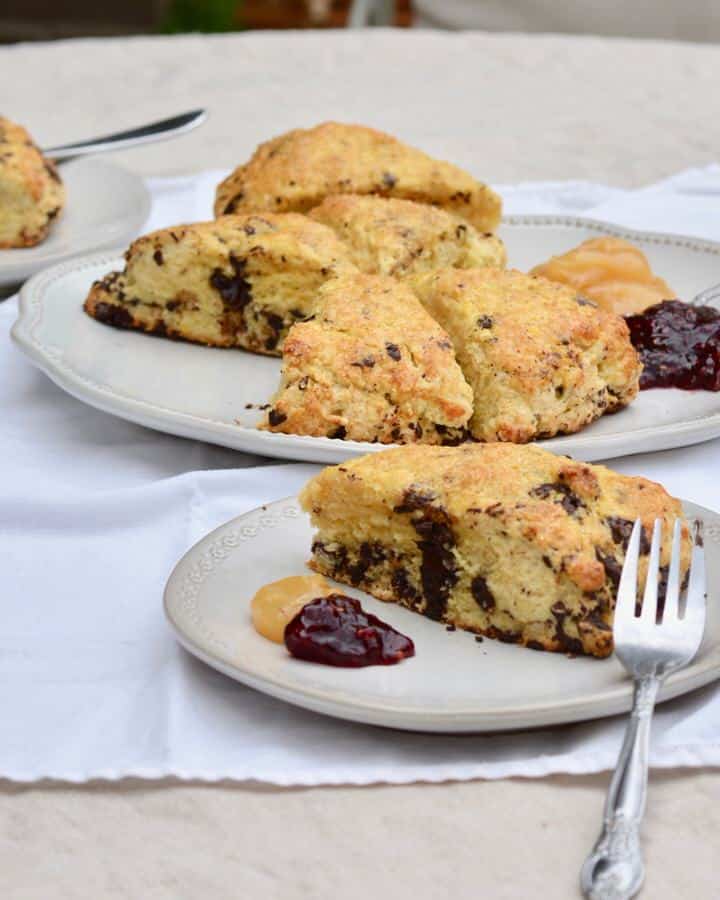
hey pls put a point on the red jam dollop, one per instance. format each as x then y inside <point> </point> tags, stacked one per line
<point>336,631</point>
<point>679,345</point>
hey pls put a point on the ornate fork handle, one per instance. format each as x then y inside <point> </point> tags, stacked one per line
<point>614,870</point>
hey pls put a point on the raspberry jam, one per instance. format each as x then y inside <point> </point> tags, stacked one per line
<point>336,631</point>
<point>679,345</point>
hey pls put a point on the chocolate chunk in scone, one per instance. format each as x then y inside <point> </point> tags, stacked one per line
<point>240,281</point>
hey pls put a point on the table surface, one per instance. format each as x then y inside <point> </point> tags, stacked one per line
<point>509,108</point>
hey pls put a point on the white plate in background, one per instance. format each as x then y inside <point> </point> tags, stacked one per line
<point>105,206</point>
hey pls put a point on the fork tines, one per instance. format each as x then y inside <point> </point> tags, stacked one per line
<point>667,608</point>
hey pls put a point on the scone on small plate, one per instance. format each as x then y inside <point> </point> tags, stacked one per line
<point>297,170</point>
<point>31,191</point>
<point>541,359</point>
<point>239,281</point>
<point>386,236</point>
<point>506,541</point>
<point>370,366</point>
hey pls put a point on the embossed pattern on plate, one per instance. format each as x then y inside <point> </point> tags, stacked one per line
<point>202,392</point>
<point>453,684</point>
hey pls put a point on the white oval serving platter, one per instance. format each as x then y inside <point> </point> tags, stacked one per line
<point>212,394</point>
<point>106,206</point>
<point>452,684</point>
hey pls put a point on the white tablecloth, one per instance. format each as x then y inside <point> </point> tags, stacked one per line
<point>95,512</point>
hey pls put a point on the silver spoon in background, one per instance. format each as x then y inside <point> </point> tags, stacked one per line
<point>134,137</point>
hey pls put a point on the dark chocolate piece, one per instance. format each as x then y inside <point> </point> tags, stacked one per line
<point>482,593</point>
<point>235,289</point>
<point>559,493</point>
<point>275,417</point>
<point>117,316</point>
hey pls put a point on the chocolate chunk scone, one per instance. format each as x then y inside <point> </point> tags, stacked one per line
<point>371,366</point>
<point>297,170</point>
<point>506,541</point>
<point>401,237</point>
<point>31,192</point>
<point>239,281</point>
<point>541,359</point>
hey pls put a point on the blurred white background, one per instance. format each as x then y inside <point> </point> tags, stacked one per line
<point>688,20</point>
<point>691,20</point>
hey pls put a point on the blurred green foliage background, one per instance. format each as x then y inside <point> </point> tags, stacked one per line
<point>202,15</point>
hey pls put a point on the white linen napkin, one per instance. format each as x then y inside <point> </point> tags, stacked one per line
<point>94,512</point>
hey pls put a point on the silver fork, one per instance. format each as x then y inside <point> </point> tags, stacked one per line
<point>649,651</point>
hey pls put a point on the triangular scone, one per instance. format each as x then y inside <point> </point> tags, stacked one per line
<point>297,170</point>
<point>386,236</point>
<point>541,359</point>
<point>371,366</point>
<point>31,192</point>
<point>511,542</point>
<point>239,281</point>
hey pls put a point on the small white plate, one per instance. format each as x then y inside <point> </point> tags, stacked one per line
<point>202,392</point>
<point>452,684</point>
<point>106,206</point>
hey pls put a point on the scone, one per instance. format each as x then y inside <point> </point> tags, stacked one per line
<point>297,170</point>
<point>371,366</point>
<point>507,541</point>
<point>239,281</point>
<point>386,236</point>
<point>611,271</point>
<point>541,359</point>
<point>31,192</point>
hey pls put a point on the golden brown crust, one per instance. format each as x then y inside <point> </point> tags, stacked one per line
<point>386,236</point>
<point>541,359</point>
<point>371,366</point>
<point>508,541</point>
<point>239,281</point>
<point>297,170</point>
<point>31,192</point>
